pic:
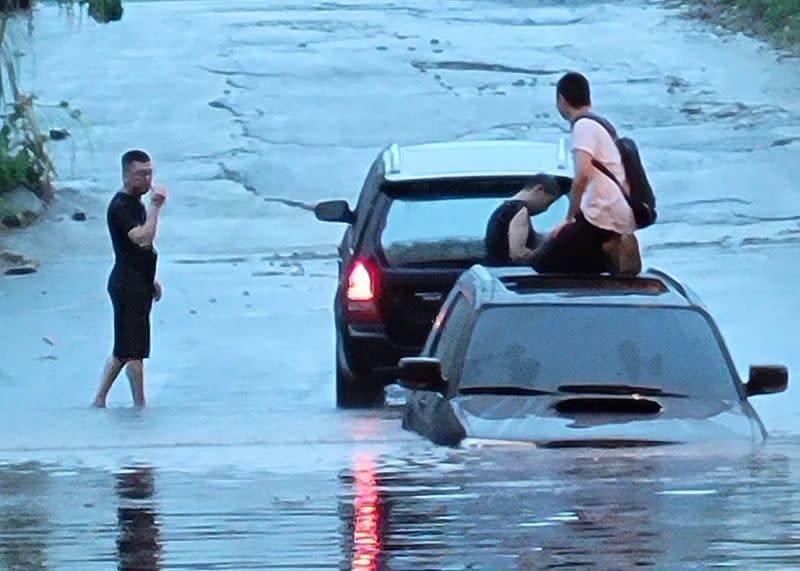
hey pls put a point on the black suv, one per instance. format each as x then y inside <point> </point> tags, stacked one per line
<point>419,223</point>
<point>559,361</point>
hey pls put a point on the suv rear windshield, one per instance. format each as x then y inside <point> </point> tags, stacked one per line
<point>449,227</point>
<point>546,347</point>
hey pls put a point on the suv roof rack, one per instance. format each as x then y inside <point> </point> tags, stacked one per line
<point>679,287</point>
<point>585,283</point>
<point>394,158</point>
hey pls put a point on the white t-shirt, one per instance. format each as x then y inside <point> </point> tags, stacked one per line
<point>602,203</point>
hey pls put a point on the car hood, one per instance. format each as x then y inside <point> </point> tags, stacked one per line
<point>578,420</point>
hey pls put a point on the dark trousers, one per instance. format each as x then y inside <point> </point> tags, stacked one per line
<point>577,249</point>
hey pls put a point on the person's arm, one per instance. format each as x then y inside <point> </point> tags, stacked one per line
<point>584,146</point>
<point>144,234</point>
<point>518,231</point>
<point>158,290</point>
<point>583,174</point>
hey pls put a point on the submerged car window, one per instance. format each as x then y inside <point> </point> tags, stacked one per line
<point>450,229</point>
<point>547,347</point>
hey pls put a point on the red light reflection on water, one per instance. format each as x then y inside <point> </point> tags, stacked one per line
<point>366,531</point>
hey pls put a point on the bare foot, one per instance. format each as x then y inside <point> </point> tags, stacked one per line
<point>97,403</point>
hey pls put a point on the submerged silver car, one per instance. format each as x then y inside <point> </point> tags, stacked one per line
<point>560,361</point>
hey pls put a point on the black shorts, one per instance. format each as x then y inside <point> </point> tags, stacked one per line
<point>131,323</point>
<point>577,249</point>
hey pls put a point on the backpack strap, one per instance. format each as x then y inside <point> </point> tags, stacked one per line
<point>598,119</point>
<point>597,164</point>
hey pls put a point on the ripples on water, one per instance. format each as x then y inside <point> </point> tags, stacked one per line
<point>490,509</point>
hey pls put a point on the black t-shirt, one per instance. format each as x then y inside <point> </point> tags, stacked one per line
<point>496,241</point>
<point>134,265</point>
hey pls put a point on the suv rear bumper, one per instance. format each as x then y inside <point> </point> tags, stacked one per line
<point>368,352</point>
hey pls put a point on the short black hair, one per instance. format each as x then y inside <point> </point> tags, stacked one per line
<point>547,182</point>
<point>134,156</point>
<point>574,87</point>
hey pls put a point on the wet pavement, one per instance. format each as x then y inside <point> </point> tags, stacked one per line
<point>241,460</point>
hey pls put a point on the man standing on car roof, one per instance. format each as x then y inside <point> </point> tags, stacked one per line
<point>598,235</point>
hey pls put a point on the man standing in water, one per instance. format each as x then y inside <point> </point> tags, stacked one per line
<point>132,284</point>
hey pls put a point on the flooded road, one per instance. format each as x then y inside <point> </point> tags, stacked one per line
<point>507,509</point>
<point>253,113</point>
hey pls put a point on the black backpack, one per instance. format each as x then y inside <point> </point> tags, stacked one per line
<point>641,200</point>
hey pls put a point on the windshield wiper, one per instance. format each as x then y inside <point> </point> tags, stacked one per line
<point>504,390</point>
<point>619,390</point>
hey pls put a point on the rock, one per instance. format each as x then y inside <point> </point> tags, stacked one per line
<point>59,134</point>
<point>11,258</point>
<point>12,221</point>
<point>23,200</point>
<point>692,110</point>
<point>104,11</point>
<point>27,217</point>
<point>79,216</point>
<point>21,271</point>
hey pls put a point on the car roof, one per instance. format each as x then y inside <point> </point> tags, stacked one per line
<point>523,286</point>
<point>461,159</point>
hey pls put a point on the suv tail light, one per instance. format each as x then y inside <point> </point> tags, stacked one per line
<point>361,295</point>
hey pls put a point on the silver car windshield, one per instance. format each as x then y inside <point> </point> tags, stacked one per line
<point>554,348</point>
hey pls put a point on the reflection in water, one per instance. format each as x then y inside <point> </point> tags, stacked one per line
<point>518,510</point>
<point>363,515</point>
<point>23,521</point>
<point>138,546</point>
<point>368,517</point>
<point>430,509</point>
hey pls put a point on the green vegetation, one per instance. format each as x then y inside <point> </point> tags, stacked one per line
<point>777,20</point>
<point>24,157</point>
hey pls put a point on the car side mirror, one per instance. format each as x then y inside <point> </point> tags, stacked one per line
<point>334,211</point>
<point>765,380</point>
<point>421,374</point>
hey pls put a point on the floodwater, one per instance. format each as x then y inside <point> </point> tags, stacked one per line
<point>253,111</point>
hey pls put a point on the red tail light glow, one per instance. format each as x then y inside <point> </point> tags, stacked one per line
<point>360,283</point>
<point>361,295</point>
<point>367,528</point>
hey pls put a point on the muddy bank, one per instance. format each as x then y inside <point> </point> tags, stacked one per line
<point>777,22</point>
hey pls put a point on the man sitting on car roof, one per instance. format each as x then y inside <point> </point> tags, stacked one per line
<point>510,237</point>
<point>512,240</point>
